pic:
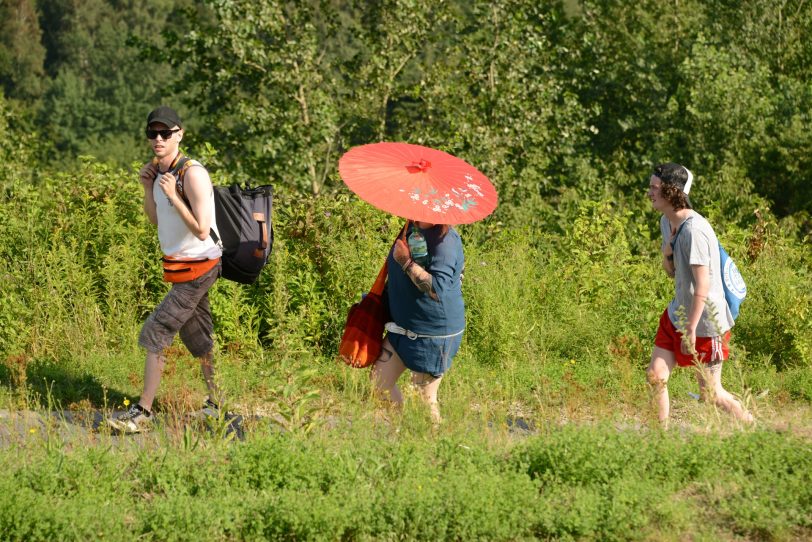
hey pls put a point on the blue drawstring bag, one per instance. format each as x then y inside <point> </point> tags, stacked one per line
<point>732,282</point>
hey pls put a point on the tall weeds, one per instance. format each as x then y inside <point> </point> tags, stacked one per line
<point>548,312</point>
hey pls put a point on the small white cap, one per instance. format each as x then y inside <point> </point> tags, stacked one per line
<point>687,187</point>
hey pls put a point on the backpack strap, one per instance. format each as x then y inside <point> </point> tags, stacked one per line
<point>674,241</point>
<point>179,171</point>
<point>177,168</point>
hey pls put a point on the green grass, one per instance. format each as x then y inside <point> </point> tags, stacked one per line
<point>379,480</point>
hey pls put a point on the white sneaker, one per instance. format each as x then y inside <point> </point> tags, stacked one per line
<point>135,420</point>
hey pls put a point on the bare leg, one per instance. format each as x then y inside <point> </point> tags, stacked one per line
<point>153,368</point>
<point>207,368</point>
<point>722,398</point>
<point>658,372</point>
<point>428,386</point>
<point>386,371</point>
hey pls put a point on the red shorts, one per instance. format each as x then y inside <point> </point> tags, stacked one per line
<point>708,349</point>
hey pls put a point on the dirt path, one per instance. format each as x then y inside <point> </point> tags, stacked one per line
<point>82,428</point>
<point>87,427</point>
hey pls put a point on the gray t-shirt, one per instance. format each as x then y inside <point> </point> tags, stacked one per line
<point>697,245</point>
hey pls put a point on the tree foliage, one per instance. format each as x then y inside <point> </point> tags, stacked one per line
<point>22,55</point>
<point>717,85</point>
<point>258,74</point>
<point>556,102</point>
<point>101,88</point>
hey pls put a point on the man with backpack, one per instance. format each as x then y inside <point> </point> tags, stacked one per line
<point>691,256</point>
<point>179,200</point>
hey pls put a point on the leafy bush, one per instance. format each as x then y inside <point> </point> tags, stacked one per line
<point>566,483</point>
<point>776,317</point>
<point>84,275</point>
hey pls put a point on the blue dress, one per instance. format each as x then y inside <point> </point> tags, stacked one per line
<point>418,312</point>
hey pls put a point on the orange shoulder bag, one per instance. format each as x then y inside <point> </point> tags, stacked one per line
<point>363,334</point>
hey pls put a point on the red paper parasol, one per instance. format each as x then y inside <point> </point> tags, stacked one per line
<point>418,183</point>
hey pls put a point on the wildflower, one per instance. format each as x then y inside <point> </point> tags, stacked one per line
<point>32,430</point>
<point>126,402</point>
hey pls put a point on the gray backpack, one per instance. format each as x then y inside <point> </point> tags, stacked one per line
<point>243,217</point>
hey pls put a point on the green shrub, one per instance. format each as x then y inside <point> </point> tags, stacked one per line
<point>371,483</point>
<point>776,315</point>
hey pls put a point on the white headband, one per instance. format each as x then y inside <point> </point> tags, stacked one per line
<point>687,187</point>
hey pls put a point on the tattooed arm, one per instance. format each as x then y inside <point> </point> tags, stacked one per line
<point>421,278</point>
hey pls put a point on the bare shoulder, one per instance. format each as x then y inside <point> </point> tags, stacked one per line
<point>196,179</point>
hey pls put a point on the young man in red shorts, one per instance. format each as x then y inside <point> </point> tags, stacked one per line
<point>691,256</point>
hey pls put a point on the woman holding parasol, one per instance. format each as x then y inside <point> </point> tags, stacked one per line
<point>425,265</point>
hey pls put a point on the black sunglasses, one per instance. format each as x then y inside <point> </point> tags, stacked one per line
<point>165,134</point>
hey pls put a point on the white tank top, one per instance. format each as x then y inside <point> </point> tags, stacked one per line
<point>177,240</point>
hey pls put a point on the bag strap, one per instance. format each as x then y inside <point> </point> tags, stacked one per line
<point>177,163</point>
<point>380,281</point>
<point>674,241</point>
<point>179,170</point>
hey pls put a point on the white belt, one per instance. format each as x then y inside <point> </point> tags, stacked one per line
<point>392,327</point>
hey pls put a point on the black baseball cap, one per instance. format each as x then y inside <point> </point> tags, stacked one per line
<point>165,115</point>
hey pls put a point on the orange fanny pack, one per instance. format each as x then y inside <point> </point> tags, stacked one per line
<point>186,270</point>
